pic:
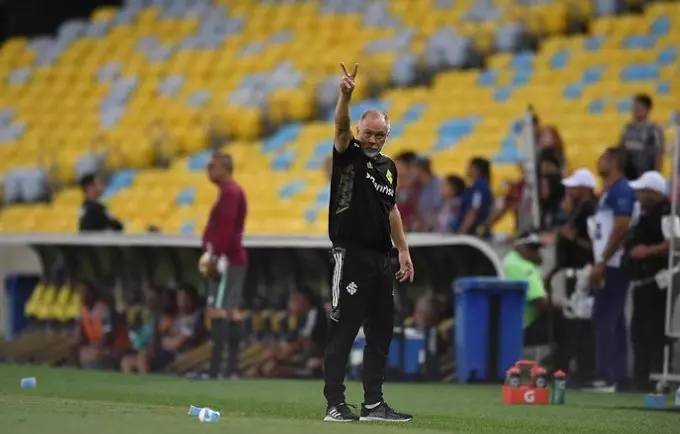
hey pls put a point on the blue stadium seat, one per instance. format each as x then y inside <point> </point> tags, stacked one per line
<point>596,107</point>
<point>560,59</point>
<point>198,161</point>
<point>291,189</point>
<point>320,153</point>
<point>186,197</point>
<point>284,160</point>
<point>663,88</point>
<point>502,94</point>
<point>487,78</point>
<point>572,91</point>
<point>120,180</point>
<point>451,132</point>
<point>667,56</point>
<point>523,60</point>
<point>594,43</point>
<point>624,106</point>
<point>660,26</point>
<point>279,139</point>
<point>639,72</point>
<point>188,228</point>
<point>592,75</point>
<point>639,42</point>
<point>509,152</point>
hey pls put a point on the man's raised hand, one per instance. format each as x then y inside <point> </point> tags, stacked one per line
<point>347,80</point>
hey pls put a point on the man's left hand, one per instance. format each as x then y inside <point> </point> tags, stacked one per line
<point>639,252</point>
<point>406,270</point>
<point>597,275</point>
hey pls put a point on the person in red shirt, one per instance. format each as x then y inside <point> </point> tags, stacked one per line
<point>227,263</point>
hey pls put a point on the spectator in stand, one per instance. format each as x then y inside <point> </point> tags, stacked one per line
<point>550,144</point>
<point>642,140</point>
<point>407,191</point>
<point>549,164</point>
<point>608,229</point>
<point>103,339</point>
<point>453,187</point>
<point>184,331</point>
<point>477,200</point>
<point>551,193</point>
<point>309,339</point>
<point>514,202</point>
<point>94,216</point>
<point>429,194</point>
<point>142,332</point>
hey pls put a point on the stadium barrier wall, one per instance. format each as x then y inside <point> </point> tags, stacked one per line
<point>276,263</point>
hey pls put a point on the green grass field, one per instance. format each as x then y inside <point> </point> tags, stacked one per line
<point>76,402</point>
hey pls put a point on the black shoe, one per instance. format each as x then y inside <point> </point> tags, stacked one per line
<point>383,413</point>
<point>340,413</point>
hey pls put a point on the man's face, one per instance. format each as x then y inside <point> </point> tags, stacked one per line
<point>184,302</point>
<point>97,188</point>
<point>216,171</point>
<point>573,193</point>
<point>604,165</point>
<point>85,294</point>
<point>472,172</point>
<point>640,112</point>
<point>297,304</point>
<point>647,197</point>
<point>404,173</point>
<point>420,174</point>
<point>372,133</point>
<point>532,254</point>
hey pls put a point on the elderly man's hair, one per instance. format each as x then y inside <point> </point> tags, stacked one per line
<point>379,113</point>
<point>225,160</point>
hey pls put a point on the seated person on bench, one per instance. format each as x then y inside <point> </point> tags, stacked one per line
<point>102,340</point>
<point>142,331</point>
<point>181,333</point>
<point>309,340</point>
<point>523,263</point>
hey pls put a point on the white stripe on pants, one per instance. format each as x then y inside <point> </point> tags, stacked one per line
<point>338,257</point>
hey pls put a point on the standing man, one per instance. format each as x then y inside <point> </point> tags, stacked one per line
<point>477,200</point>
<point>363,220</point>
<point>430,200</point>
<point>225,263</point>
<point>94,216</point>
<point>642,140</point>
<point>646,256</point>
<point>608,228</point>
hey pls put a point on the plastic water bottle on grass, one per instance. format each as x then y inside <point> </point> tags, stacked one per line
<point>208,415</point>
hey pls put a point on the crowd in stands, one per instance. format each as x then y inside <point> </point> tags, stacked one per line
<point>465,203</point>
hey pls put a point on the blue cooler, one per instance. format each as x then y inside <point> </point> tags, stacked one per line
<point>489,329</point>
<point>406,356</point>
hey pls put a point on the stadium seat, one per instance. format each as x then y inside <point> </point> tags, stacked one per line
<point>150,83</point>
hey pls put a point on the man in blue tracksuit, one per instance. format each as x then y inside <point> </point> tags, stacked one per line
<point>608,228</point>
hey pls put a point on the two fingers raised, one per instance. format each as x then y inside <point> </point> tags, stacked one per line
<point>346,73</point>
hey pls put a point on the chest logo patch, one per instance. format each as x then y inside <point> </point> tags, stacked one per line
<point>388,175</point>
<point>369,165</point>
